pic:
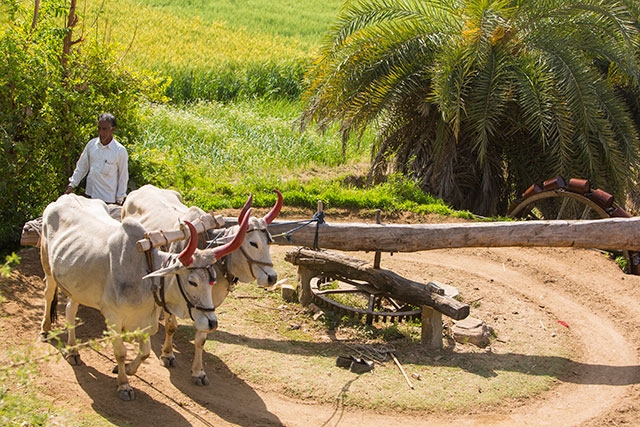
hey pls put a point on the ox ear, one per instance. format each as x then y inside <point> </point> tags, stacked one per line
<point>275,210</point>
<point>231,246</point>
<point>164,271</point>
<point>245,208</point>
<point>172,268</point>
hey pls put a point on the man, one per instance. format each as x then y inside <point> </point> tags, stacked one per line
<point>104,161</point>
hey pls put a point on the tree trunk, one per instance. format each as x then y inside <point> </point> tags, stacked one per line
<point>72,20</point>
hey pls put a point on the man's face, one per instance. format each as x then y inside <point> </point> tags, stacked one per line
<point>105,130</point>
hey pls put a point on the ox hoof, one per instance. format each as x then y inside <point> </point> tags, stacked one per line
<point>73,359</point>
<point>43,336</point>
<point>203,380</point>
<point>126,394</point>
<point>168,362</point>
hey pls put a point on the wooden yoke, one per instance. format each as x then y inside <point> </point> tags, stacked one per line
<point>154,239</point>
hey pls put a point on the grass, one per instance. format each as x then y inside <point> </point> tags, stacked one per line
<point>20,403</point>
<point>194,41</point>
<point>215,154</point>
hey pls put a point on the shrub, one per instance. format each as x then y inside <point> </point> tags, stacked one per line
<point>49,112</point>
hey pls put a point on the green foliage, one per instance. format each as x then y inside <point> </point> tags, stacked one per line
<point>204,148</point>
<point>622,262</point>
<point>5,269</point>
<point>478,99</point>
<point>48,113</point>
<point>19,405</point>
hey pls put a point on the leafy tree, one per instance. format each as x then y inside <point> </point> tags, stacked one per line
<point>477,99</point>
<point>49,104</point>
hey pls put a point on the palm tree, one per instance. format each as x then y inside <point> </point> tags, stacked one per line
<point>478,99</point>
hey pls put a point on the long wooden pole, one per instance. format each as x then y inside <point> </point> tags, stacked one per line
<point>608,234</point>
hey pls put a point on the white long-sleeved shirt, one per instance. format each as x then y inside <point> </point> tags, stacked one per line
<point>106,168</point>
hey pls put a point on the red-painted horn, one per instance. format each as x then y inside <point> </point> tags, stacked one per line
<point>275,210</point>
<point>186,256</point>
<point>227,248</point>
<point>245,208</point>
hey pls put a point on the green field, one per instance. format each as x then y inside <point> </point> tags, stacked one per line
<point>217,50</point>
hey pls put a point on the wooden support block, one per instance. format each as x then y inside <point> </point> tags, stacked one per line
<point>533,189</point>
<point>143,245</point>
<point>431,328</point>
<point>554,184</point>
<point>578,185</point>
<point>288,293</point>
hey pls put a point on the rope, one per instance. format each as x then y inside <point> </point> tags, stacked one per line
<point>318,218</point>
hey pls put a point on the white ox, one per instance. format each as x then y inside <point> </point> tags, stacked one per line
<point>158,208</point>
<point>93,259</point>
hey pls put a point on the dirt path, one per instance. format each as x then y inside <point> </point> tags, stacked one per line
<point>583,288</point>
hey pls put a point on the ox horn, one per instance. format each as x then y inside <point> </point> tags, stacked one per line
<point>186,256</point>
<point>245,208</point>
<point>227,248</point>
<point>275,210</point>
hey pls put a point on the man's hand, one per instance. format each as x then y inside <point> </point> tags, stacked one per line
<point>69,190</point>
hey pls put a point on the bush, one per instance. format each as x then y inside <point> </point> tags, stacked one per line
<point>48,112</point>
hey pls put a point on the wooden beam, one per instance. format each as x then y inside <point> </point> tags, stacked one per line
<point>608,234</point>
<point>398,287</point>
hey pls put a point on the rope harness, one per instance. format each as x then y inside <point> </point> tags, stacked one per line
<point>159,290</point>
<point>250,261</point>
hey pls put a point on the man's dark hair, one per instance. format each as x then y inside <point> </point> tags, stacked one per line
<point>107,117</point>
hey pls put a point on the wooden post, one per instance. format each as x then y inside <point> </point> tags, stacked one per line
<point>376,257</point>
<point>431,328</point>
<point>304,285</point>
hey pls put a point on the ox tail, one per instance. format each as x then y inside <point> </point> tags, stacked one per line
<point>53,313</point>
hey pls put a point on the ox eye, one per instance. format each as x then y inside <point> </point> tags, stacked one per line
<point>254,244</point>
<point>192,283</point>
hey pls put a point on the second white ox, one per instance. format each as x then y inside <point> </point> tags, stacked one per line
<point>158,208</point>
<point>93,259</point>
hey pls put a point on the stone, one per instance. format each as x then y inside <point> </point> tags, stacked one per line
<point>473,331</point>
